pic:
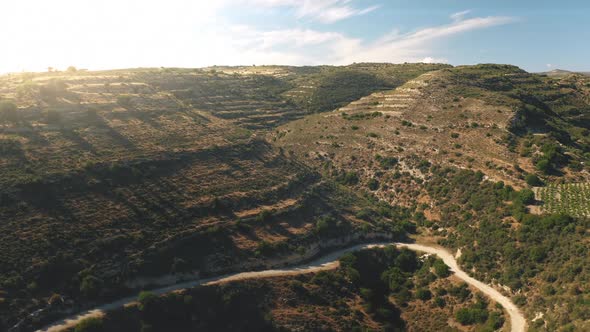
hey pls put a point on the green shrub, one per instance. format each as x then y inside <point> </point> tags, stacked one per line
<point>526,196</point>
<point>92,324</point>
<point>90,286</point>
<point>533,180</point>
<point>264,216</point>
<point>544,166</point>
<point>349,178</point>
<point>322,226</point>
<point>373,184</point>
<point>470,316</point>
<point>10,147</point>
<point>386,162</point>
<point>423,294</point>
<point>441,269</point>
<point>495,321</point>
<point>146,300</point>
<point>394,278</point>
<point>440,302</point>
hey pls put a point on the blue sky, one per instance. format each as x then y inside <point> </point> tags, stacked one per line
<point>535,35</point>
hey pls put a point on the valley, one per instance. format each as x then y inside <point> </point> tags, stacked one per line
<point>114,182</point>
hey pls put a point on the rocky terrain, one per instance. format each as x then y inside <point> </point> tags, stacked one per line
<point>111,181</point>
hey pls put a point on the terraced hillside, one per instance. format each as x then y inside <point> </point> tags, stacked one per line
<point>117,179</point>
<point>93,234</point>
<point>324,88</point>
<point>454,146</point>
<point>472,118</point>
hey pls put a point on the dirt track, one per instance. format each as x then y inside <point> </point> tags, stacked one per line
<point>327,262</point>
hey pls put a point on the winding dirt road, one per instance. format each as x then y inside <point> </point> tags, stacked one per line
<point>327,262</point>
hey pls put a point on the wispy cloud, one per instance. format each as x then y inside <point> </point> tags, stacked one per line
<point>427,34</point>
<point>197,33</point>
<point>324,11</point>
<point>459,16</point>
<point>421,44</point>
<point>314,47</point>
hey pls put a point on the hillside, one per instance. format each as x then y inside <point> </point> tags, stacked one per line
<point>377,289</point>
<point>452,146</point>
<point>113,180</point>
<point>487,118</point>
<point>560,73</point>
<point>117,181</point>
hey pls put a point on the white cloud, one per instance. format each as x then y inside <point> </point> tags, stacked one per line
<point>460,15</point>
<point>420,44</point>
<point>324,11</point>
<point>191,33</point>
<point>430,59</point>
<point>310,47</point>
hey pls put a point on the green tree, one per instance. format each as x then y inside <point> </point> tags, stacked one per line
<point>394,278</point>
<point>407,260</point>
<point>526,196</point>
<point>544,166</point>
<point>441,269</point>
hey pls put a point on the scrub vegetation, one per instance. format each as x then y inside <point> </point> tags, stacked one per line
<point>377,289</point>
<point>113,182</point>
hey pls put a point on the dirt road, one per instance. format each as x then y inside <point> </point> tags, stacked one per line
<point>327,262</point>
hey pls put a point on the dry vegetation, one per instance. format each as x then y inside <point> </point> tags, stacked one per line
<point>387,290</point>
<point>429,144</point>
<point>111,177</point>
<point>117,178</point>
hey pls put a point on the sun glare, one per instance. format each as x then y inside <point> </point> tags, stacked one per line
<point>38,34</point>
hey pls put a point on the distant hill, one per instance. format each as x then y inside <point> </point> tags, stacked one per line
<point>485,118</point>
<point>562,73</point>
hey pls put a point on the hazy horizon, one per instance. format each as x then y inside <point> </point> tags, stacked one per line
<point>536,36</point>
